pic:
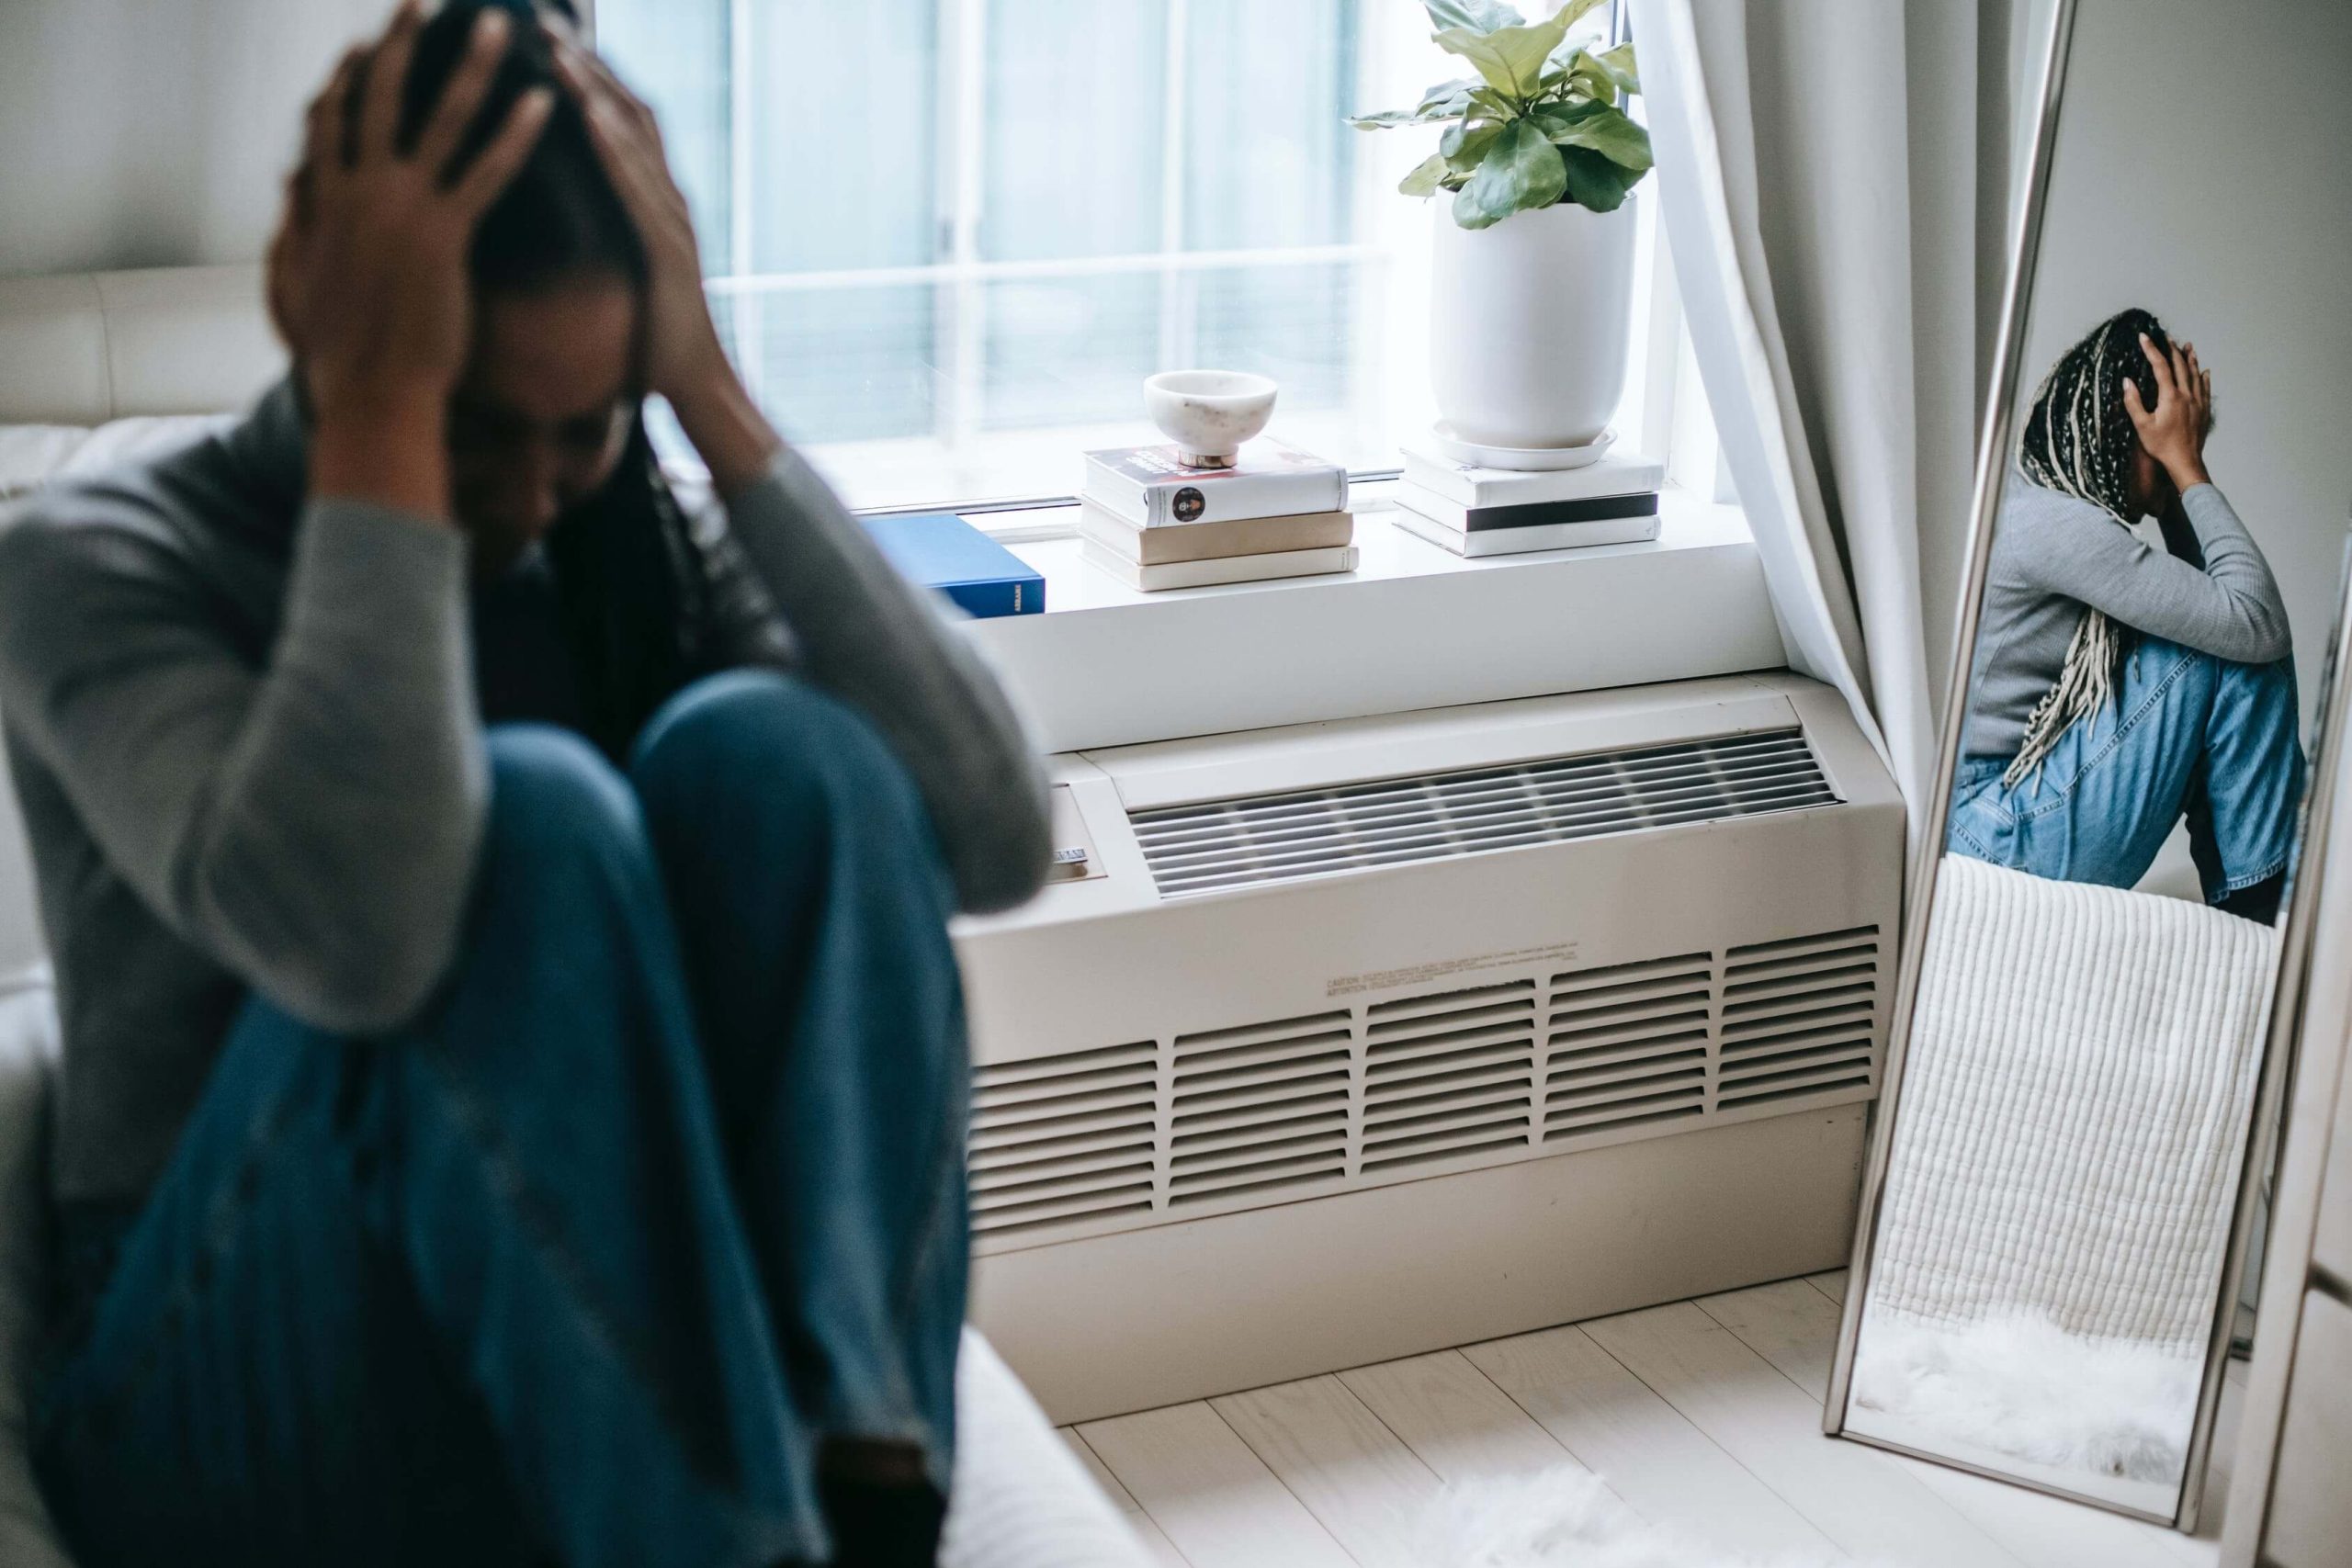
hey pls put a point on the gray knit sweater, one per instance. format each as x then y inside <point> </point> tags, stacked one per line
<point>244,730</point>
<point>2053,555</point>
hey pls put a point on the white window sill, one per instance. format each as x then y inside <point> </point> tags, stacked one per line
<point>1415,626</point>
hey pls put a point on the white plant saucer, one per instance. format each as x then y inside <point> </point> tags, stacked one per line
<point>1526,459</point>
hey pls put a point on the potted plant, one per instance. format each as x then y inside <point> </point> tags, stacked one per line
<point>1533,275</point>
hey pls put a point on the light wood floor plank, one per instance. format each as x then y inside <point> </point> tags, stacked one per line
<point>1163,1551</point>
<point>1652,1456</point>
<point>1212,1498</point>
<point>1830,1282</point>
<point>1795,1328</point>
<point>1452,1416</point>
<point>1155,1542</point>
<point>1870,1508</point>
<point>1355,1477</point>
<point>1789,1324</point>
<point>1109,1483</point>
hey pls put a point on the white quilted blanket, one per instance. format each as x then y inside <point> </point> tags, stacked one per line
<point>2073,1108</point>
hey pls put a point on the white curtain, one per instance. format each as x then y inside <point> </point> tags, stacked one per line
<point>1834,177</point>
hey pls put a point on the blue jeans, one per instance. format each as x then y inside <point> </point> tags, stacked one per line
<point>664,1193</point>
<point>2187,735</point>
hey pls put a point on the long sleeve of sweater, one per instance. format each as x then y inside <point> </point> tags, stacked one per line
<point>880,644</point>
<point>2231,609</point>
<point>313,822</point>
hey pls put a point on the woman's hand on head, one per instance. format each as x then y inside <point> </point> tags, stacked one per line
<point>2173,430</point>
<point>368,278</point>
<point>684,360</point>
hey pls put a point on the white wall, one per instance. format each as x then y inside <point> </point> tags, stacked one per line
<point>2200,171</point>
<point>134,133</point>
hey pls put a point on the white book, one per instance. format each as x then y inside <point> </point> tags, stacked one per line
<point>1227,568</point>
<point>1467,484</point>
<point>1521,541</point>
<point>1152,488</point>
<point>1594,509</point>
<point>1206,541</point>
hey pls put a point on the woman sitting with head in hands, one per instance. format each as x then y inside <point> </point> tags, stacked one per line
<point>2119,689</point>
<point>514,1083</point>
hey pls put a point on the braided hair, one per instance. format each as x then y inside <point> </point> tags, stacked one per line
<point>2079,441</point>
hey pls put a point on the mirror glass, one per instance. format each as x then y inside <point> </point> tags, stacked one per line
<point>2043,1279</point>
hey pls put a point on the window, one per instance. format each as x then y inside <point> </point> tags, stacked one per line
<point>947,239</point>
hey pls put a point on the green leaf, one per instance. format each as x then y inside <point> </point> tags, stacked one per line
<point>1509,59</point>
<point>1522,171</point>
<point>1566,54</point>
<point>1620,67</point>
<point>1451,97</point>
<point>1513,59</point>
<point>1594,180</point>
<point>1447,100</point>
<point>1479,16</point>
<point>1426,178</point>
<point>1493,104</point>
<point>1464,146</point>
<point>1603,130</point>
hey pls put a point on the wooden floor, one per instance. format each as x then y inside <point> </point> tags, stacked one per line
<point>1705,1415</point>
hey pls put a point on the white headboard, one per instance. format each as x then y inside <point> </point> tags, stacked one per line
<point>88,347</point>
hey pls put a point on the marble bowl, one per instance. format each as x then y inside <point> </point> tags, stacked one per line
<point>1209,413</point>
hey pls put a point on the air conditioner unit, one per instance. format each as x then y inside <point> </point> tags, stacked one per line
<point>1344,1042</point>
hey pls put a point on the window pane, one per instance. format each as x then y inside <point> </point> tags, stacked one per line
<point>1069,350</point>
<point>1294,324</point>
<point>1268,156</point>
<point>1072,109</point>
<point>843,135</point>
<point>845,364</point>
<point>675,56</point>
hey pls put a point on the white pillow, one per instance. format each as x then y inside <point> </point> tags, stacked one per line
<point>129,440</point>
<point>30,454</point>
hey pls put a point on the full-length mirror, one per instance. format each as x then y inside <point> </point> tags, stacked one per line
<point>2042,1289</point>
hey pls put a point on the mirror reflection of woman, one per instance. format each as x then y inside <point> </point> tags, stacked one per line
<point>2119,688</point>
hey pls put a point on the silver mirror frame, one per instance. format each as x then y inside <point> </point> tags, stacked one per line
<point>2294,956</point>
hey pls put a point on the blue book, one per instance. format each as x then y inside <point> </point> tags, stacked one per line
<point>941,550</point>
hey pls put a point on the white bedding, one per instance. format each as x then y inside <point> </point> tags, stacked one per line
<point>2073,1108</point>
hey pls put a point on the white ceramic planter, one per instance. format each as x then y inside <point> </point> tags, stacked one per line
<point>1530,322</point>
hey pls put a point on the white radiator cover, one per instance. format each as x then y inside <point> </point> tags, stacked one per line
<point>1522,954</point>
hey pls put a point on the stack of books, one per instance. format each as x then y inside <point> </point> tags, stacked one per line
<point>1153,522</point>
<point>1496,512</point>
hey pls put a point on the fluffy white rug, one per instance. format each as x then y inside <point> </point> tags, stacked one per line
<point>2022,1386</point>
<point>1566,1519</point>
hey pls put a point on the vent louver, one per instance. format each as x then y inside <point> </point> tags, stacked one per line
<point>1798,1017</point>
<point>1211,845</point>
<point>1262,1106</point>
<point>1407,1087</point>
<point>1448,1075</point>
<point>1628,1046</point>
<point>1064,1138</point>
